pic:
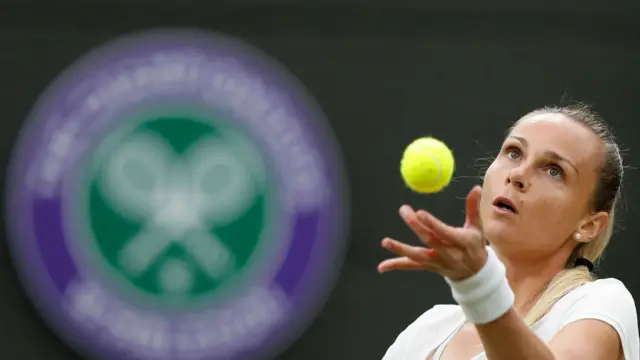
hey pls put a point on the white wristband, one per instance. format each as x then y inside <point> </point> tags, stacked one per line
<point>485,296</point>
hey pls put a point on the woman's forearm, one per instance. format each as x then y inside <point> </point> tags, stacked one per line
<point>508,338</point>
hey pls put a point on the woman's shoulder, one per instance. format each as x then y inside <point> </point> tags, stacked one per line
<point>436,318</point>
<point>426,332</point>
<point>438,314</point>
<point>441,312</point>
<point>603,291</point>
<point>607,299</point>
<point>611,284</point>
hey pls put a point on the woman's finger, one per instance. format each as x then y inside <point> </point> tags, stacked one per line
<point>417,253</point>
<point>433,240</point>
<point>425,234</point>
<point>473,208</point>
<point>445,233</point>
<point>401,263</point>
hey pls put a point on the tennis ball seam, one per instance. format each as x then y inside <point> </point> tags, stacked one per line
<point>437,160</point>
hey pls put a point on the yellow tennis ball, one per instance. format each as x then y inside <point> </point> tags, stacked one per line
<point>427,165</point>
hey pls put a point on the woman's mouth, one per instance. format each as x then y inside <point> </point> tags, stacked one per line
<point>505,205</point>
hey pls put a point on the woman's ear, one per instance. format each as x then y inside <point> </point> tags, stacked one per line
<point>591,226</point>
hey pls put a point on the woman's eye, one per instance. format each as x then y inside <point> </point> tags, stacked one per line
<point>513,153</point>
<point>555,172</point>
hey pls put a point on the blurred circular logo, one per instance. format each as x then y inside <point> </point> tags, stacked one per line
<point>177,195</point>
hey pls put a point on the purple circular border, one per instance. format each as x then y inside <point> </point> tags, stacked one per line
<point>306,296</point>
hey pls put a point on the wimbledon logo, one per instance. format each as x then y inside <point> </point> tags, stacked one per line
<point>177,195</point>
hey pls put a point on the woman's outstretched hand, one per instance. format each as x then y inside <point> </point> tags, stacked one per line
<point>455,252</point>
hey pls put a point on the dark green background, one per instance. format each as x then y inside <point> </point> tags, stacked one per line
<point>384,73</point>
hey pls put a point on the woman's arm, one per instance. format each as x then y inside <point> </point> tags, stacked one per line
<point>509,338</point>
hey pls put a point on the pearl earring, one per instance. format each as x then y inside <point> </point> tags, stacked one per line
<point>578,236</point>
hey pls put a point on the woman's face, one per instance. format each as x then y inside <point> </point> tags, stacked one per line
<point>546,171</point>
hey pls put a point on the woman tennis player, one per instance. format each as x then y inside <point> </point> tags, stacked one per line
<point>547,209</point>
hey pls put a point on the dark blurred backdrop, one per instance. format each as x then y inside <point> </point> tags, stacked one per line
<point>385,72</point>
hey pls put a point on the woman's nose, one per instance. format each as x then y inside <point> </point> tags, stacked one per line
<point>517,177</point>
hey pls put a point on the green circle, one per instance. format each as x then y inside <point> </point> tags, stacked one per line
<point>112,230</point>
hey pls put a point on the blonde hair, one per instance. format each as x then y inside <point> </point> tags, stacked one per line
<point>605,198</point>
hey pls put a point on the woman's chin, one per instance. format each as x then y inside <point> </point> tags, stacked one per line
<point>498,232</point>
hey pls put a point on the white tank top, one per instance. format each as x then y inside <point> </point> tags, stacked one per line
<point>438,354</point>
<point>607,300</point>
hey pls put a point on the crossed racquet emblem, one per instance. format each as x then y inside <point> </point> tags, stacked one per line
<point>180,198</point>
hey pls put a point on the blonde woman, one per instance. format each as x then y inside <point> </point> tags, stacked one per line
<point>547,209</point>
